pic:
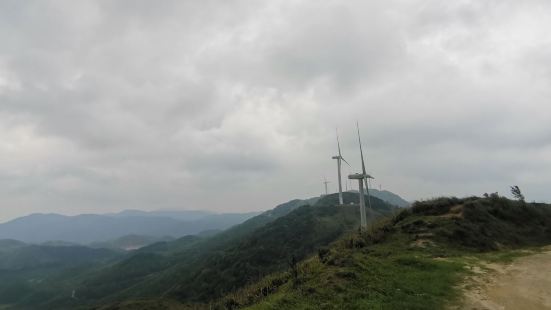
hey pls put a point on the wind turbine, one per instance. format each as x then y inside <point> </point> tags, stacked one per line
<point>325,182</point>
<point>339,158</point>
<point>362,179</point>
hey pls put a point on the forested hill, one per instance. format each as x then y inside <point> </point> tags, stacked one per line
<point>198,270</point>
<point>223,263</point>
<point>415,260</point>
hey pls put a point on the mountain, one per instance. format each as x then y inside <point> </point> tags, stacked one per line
<point>52,287</point>
<point>88,228</point>
<point>415,260</point>
<point>159,268</point>
<point>130,242</point>
<point>387,196</point>
<point>294,236</point>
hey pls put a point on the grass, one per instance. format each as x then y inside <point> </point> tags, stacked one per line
<point>377,279</point>
<point>370,278</point>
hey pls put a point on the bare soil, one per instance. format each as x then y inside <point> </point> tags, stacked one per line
<point>524,284</point>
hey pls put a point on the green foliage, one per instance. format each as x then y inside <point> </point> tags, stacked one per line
<point>388,277</point>
<point>435,206</point>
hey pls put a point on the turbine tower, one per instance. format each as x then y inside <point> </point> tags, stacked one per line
<point>325,182</point>
<point>362,179</point>
<point>339,158</point>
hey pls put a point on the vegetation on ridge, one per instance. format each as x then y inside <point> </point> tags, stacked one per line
<point>412,261</point>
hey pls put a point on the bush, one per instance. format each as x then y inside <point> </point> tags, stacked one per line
<point>437,206</point>
<point>323,253</point>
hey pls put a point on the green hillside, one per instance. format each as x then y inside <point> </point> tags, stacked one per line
<point>223,263</point>
<point>413,261</point>
<point>24,268</point>
<point>197,270</point>
<point>51,286</point>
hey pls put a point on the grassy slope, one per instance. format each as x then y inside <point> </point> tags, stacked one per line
<point>413,261</point>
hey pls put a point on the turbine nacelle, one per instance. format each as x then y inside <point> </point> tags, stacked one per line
<point>360,176</point>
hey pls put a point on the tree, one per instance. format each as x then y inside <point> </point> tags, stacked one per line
<point>515,190</point>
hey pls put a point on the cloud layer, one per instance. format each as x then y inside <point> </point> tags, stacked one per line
<point>232,105</point>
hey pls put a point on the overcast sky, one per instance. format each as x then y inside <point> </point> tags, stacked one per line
<point>233,105</point>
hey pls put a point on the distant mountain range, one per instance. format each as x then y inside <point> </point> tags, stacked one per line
<point>132,229</point>
<point>94,228</point>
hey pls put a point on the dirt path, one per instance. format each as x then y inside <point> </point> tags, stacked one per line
<point>524,284</point>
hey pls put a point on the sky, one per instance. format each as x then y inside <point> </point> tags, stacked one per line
<point>232,106</point>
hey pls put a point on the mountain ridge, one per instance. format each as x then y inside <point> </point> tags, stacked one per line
<point>88,228</point>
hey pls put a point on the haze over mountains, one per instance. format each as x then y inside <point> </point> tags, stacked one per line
<point>88,228</point>
<point>148,226</point>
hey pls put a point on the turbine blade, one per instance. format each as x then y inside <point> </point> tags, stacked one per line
<point>361,151</point>
<point>346,162</point>
<point>338,143</point>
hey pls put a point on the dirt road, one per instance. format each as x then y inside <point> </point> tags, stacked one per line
<point>524,284</point>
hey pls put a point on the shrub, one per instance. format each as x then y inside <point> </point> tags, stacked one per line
<point>323,253</point>
<point>437,206</point>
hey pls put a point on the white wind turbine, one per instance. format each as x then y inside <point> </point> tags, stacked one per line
<point>362,179</point>
<point>325,182</point>
<point>339,158</point>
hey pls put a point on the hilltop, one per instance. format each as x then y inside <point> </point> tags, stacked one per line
<point>414,260</point>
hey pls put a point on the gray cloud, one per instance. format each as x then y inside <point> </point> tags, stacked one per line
<point>232,105</point>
